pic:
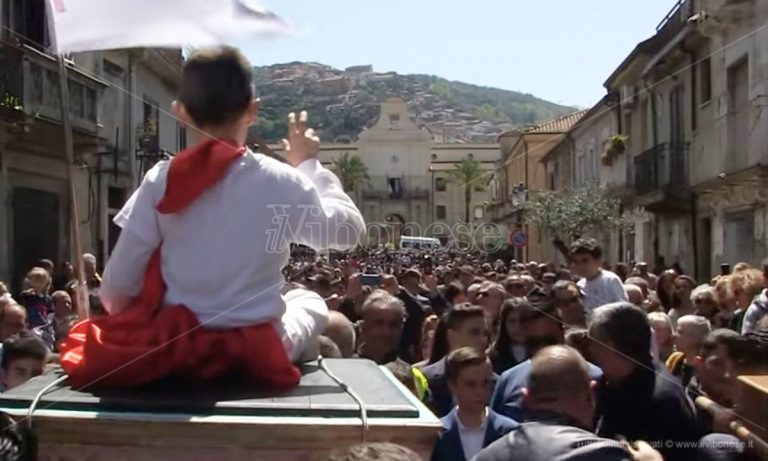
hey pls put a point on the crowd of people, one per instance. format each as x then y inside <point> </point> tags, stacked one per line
<point>590,351</point>
<point>507,354</point>
<point>520,360</point>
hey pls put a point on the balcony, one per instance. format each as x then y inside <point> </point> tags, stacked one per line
<point>418,194</point>
<point>661,177</point>
<point>29,86</point>
<point>676,20</point>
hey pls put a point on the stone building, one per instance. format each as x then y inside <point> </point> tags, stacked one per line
<point>119,107</point>
<point>410,191</point>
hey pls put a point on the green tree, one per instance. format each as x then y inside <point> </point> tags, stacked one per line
<point>469,174</point>
<point>351,171</point>
<point>570,213</point>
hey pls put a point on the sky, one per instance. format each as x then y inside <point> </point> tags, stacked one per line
<point>558,50</point>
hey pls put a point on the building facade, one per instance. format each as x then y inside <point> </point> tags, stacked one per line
<point>410,191</point>
<point>693,101</point>
<point>580,161</point>
<point>521,169</point>
<point>108,95</point>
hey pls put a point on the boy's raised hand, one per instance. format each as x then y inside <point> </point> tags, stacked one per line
<point>301,143</point>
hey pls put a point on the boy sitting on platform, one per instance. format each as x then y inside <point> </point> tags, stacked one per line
<point>208,233</point>
<point>24,357</point>
<point>471,426</point>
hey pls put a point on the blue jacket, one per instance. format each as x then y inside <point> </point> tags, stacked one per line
<point>507,397</point>
<point>448,446</point>
<point>440,400</point>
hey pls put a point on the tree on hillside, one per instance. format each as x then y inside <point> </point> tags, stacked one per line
<point>570,213</point>
<point>351,171</point>
<point>469,174</point>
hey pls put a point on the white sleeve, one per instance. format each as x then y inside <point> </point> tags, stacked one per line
<point>324,217</point>
<point>618,290</point>
<point>139,214</point>
<point>124,275</point>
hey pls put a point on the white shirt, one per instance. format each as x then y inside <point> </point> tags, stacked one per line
<point>604,289</point>
<point>222,256</point>
<point>472,438</point>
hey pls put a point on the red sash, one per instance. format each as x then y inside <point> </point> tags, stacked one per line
<point>149,341</point>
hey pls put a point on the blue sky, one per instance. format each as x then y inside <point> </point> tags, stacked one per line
<point>559,50</point>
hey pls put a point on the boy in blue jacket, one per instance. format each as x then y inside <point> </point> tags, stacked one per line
<point>471,425</point>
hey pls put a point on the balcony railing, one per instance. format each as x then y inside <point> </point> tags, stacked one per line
<point>675,20</point>
<point>661,167</point>
<point>417,194</point>
<point>29,83</point>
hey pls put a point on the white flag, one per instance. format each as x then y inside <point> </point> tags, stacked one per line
<point>84,25</point>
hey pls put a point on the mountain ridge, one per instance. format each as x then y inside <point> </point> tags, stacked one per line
<point>343,103</point>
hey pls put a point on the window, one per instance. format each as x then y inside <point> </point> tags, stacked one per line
<point>440,212</point>
<point>440,184</point>
<point>27,19</point>
<point>705,80</point>
<point>149,138</point>
<point>181,137</point>
<point>395,186</point>
<point>110,68</point>
<point>478,212</point>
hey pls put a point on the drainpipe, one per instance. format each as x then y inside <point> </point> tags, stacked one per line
<point>694,114</point>
<point>130,146</point>
<point>620,130</point>
<point>525,153</point>
<point>655,134</point>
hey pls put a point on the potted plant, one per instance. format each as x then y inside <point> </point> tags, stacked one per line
<point>615,145</point>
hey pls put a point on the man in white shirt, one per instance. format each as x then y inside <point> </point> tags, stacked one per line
<point>599,286</point>
<point>225,217</point>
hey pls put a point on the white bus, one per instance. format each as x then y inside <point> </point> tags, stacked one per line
<point>419,243</point>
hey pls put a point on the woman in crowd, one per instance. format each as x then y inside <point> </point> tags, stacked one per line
<point>751,301</point>
<point>665,289</point>
<point>508,350</point>
<point>664,334</point>
<point>684,285</point>
<point>704,300</point>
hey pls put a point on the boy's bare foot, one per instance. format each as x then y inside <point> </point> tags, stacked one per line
<point>301,143</point>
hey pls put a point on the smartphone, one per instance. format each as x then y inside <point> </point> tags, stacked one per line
<point>370,279</point>
<point>725,269</point>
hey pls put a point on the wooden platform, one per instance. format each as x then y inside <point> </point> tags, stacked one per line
<point>175,421</point>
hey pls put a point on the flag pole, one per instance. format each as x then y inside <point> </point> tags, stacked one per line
<point>81,290</point>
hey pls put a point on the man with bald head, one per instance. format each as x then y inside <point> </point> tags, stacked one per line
<point>341,331</point>
<point>560,407</point>
<point>635,294</point>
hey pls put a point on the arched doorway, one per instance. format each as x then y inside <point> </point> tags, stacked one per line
<point>395,223</point>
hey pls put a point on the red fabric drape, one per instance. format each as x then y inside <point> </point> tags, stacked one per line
<point>149,341</point>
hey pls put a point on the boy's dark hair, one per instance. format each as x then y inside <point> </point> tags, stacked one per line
<point>216,86</point>
<point>451,319</point>
<point>586,247</point>
<point>23,346</point>
<point>452,291</point>
<point>461,359</point>
<point>459,313</point>
<point>718,337</point>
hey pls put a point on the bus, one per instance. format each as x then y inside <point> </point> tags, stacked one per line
<point>419,243</point>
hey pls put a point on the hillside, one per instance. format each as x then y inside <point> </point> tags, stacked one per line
<point>344,103</point>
